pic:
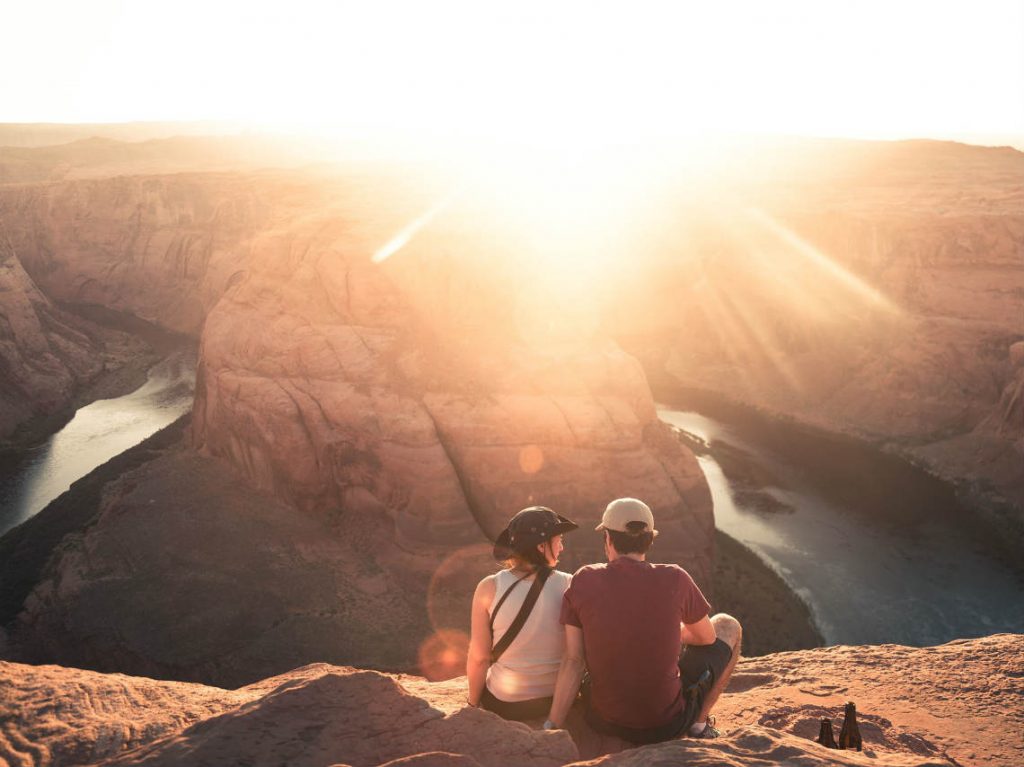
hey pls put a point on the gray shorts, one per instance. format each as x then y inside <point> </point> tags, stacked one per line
<point>700,666</point>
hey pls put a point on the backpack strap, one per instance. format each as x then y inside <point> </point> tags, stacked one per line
<point>524,612</point>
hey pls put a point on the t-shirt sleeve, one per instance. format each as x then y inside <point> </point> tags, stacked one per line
<point>570,612</point>
<point>692,604</point>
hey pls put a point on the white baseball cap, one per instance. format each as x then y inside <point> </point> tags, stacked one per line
<point>620,512</point>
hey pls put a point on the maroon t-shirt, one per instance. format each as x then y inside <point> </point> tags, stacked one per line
<point>630,613</point>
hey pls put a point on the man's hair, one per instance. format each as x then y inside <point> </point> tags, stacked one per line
<point>636,540</point>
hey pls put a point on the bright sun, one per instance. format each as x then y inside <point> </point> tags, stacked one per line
<point>570,208</point>
<point>575,70</point>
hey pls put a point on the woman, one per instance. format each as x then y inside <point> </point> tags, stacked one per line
<point>514,653</point>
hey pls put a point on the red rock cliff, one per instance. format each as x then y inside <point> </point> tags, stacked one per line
<point>874,289</point>
<point>413,390</point>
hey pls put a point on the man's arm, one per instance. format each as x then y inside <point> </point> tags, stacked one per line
<point>700,633</point>
<point>570,674</point>
<point>478,659</point>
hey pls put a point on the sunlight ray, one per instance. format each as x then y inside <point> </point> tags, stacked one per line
<point>864,291</point>
<point>406,233</point>
<point>764,343</point>
<point>734,336</point>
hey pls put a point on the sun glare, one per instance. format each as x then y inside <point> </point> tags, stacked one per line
<point>568,214</point>
<point>582,69</point>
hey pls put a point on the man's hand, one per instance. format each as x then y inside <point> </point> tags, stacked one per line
<point>570,674</point>
<point>700,633</point>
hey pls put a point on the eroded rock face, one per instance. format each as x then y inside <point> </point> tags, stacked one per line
<point>879,295</point>
<point>186,573</point>
<point>159,247</point>
<point>65,716</point>
<point>406,407</point>
<point>954,704</point>
<point>411,391</point>
<point>317,715</point>
<point>43,358</point>
<point>47,357</point>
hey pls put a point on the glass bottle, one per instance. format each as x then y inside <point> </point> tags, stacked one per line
<point>849,736</point>
<point>825,736</point>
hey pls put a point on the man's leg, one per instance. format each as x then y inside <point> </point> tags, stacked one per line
<point>727,629</point>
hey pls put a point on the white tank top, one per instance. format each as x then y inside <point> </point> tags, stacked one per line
<point>529,667</point>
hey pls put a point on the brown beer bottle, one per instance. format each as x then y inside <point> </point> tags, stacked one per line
<point>825,736</point>
<point>849,736</point>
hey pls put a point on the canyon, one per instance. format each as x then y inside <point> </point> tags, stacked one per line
<point>388,370</point>
<point>52,361</point>
<point>367,406</point>
<point>872,291</point>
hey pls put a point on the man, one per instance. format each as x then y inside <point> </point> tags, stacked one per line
<point>625,623</point>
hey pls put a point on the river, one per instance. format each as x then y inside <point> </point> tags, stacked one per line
<point>32,478</point>
<point>879,550</point>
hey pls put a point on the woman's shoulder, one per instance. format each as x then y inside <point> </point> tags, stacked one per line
<point>562,579</point>
<point>488,584</point>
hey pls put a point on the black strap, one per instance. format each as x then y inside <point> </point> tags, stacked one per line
<point>494,612</point>
<point>523,614</point>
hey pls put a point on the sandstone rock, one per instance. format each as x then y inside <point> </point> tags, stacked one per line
<point>160,248</point>
<point>434,759</point>
<point>43,358</point>
<point>339,383</point>
<point>752,746</point>
<point>362,717</point>
<point>55,716</point>
<point>48,357</point>
<point>876,296</point>
<point>336,382</point>
<point>955,704</point>
<point>909,700</point>
<point>1016,354</point>
<point>184,572</point>
<point>316,715</point>
<point>368,395</point>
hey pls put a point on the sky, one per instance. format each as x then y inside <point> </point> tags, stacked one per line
<point>865,69</point>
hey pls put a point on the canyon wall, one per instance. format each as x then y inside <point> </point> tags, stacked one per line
<point>415,387</point>
<point>400,374</point>
<point>879,294</point>
<point>48,358</point>
<point>408,389</point>
<point>363,427</point>
<point>161,248</point>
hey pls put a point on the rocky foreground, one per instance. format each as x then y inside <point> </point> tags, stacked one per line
<point>958,704</point>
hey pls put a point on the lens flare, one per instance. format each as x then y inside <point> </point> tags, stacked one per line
<point>402,238</point>
<point>443,655</point>
<point>531,459</point>
<point>450,592</point>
